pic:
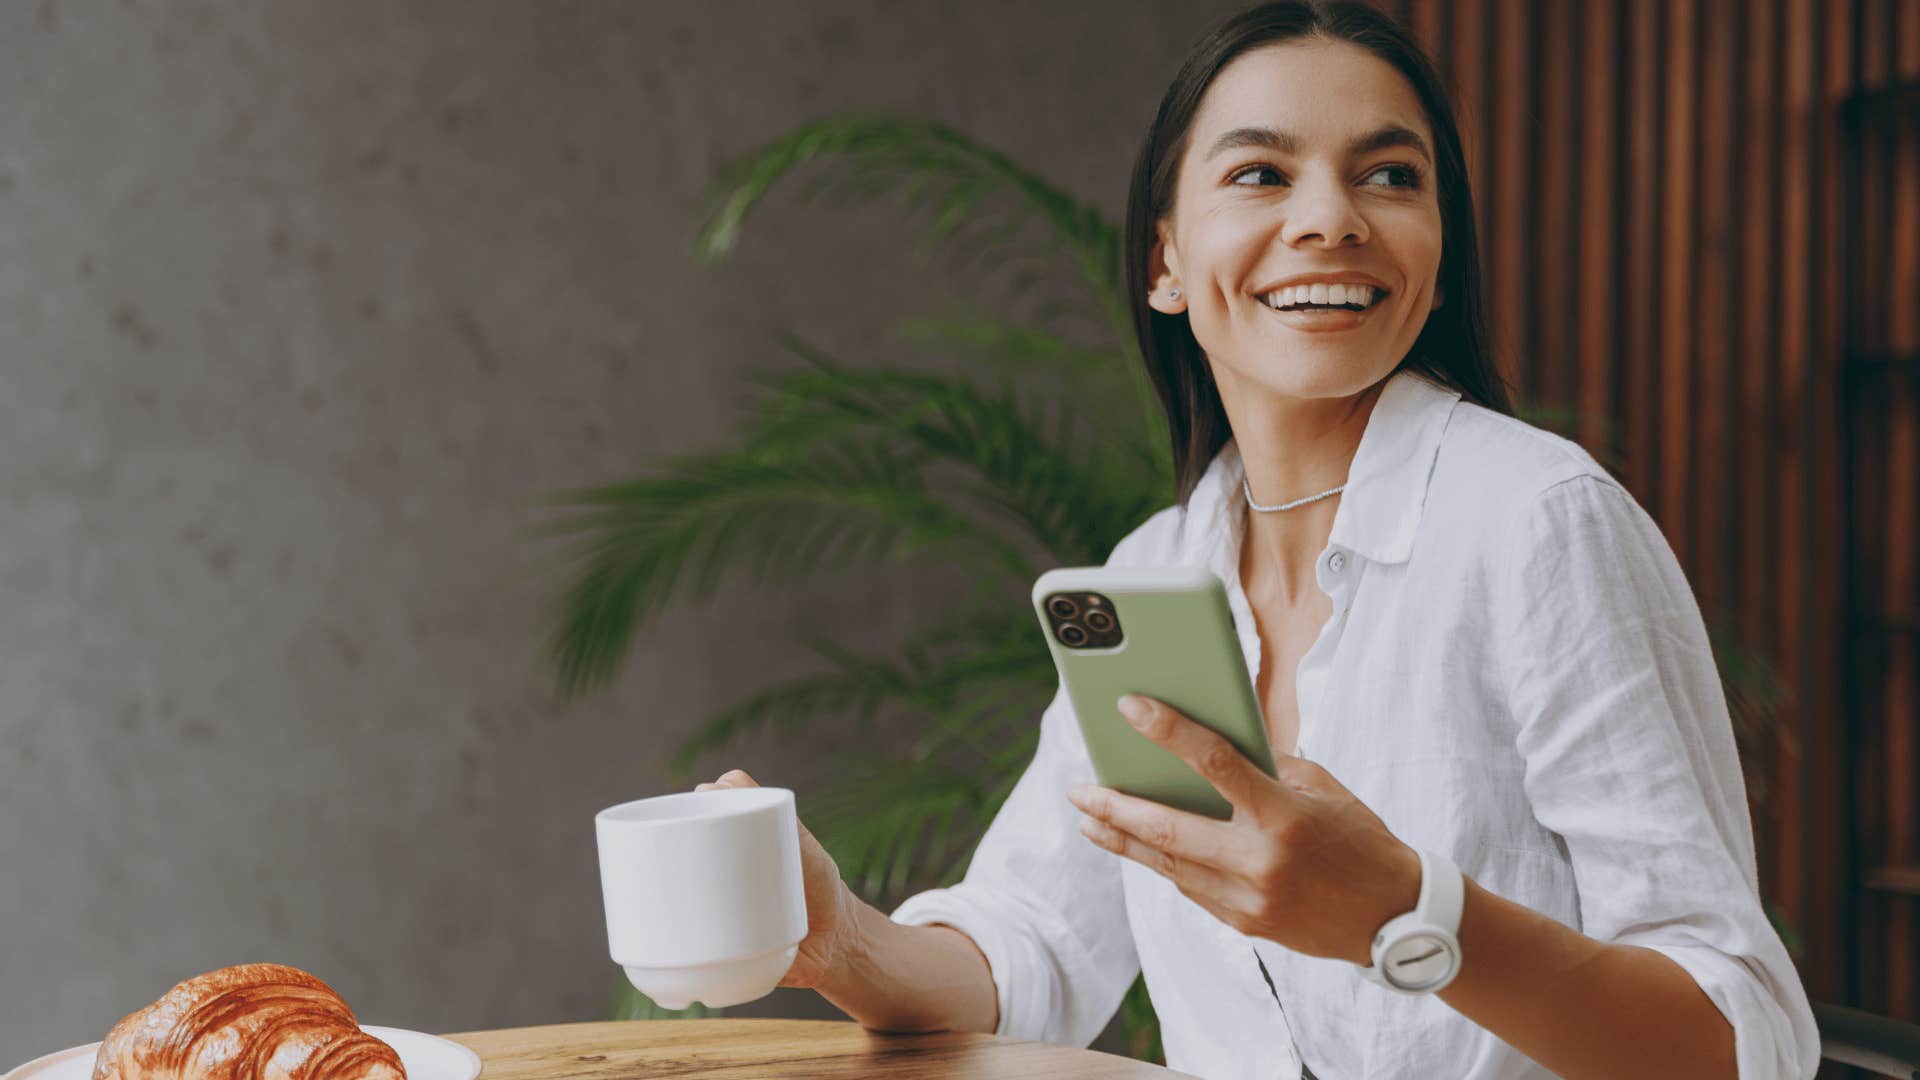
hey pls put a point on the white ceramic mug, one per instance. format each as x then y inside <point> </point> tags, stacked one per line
<point>704,895</point>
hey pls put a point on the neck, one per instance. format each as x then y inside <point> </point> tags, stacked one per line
<point>1292,448</point>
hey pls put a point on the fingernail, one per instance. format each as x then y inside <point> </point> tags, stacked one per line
<point>1135,709</point>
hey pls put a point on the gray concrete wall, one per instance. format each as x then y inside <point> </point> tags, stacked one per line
<point>301,302</point>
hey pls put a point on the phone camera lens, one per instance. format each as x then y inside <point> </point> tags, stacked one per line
<point>1073,635</point>
<point>1063,607</point>
<point>1099,621</point>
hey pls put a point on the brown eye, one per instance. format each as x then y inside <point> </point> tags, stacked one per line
<point>1408,176</point>
<point>1251,170</point>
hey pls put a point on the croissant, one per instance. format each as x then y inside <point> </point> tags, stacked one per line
<point>246,1022</point>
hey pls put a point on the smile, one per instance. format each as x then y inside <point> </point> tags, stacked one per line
<point>1325,318</point>
<point>1308,297</point>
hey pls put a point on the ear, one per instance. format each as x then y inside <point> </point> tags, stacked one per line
<point>1163,270</point>
<point>1439,298</point>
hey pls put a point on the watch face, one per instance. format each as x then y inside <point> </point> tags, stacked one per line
<point>1418,961</point>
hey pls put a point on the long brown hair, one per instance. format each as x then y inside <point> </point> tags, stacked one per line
<point>1453,345</point>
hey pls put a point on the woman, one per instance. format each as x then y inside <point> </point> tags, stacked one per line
<point>1479,661</point>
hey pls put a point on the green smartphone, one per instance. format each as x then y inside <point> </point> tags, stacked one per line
<point>1164,632</point>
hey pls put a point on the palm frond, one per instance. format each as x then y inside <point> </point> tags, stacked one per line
<point>993,655</point>
<point>1568,423</point>
<point>1002,732</point>
<point>891,823</point>
<point>993,730</point>
<point>794,704</point>
<point>928,165</point>
<point>969,628</point>
<point>886,818</point>
<point>1105,381</point>
<point>1011,348</point>
<point>1034,469</point>
<point>642,542</point>
<point>1755,695</point>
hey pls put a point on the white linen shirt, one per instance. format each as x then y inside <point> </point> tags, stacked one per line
<point>1515,675</point>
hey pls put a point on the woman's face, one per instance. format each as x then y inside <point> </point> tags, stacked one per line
<point>1309,159</point>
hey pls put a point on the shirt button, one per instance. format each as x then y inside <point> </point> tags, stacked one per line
<point>1336,562</point>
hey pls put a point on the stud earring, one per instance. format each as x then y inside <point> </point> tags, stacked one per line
<point>1174,295</point>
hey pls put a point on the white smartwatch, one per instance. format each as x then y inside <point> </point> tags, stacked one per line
<point>1419,952</point>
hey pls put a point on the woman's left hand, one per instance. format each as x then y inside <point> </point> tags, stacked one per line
<point>1302,862</point>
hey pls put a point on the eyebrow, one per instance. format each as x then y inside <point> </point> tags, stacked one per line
<point>1285,142</point>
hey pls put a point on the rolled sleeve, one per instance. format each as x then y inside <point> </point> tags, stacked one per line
<point>1043,903</point>
<point>1630,758</point>
<point>1772,1036</point>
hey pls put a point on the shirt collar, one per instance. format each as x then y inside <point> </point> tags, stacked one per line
<point>1379,512</point>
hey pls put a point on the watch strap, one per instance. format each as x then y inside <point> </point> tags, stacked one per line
<point>1443,892</point>
<point>1441,902</point>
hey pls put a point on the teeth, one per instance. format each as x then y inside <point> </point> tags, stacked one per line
<point>1362,295</point>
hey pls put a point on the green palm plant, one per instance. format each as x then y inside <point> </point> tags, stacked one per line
<point>837,463</point>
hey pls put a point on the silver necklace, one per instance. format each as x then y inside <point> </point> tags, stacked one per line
<point>1248,488</point>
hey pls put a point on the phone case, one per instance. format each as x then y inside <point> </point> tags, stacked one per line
<point>1177,644</point>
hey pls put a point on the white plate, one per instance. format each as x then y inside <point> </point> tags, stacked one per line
<point>426,1057</point>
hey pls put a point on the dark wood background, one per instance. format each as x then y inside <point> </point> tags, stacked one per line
<point>1663,194</point>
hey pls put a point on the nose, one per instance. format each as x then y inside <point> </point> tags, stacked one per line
<point>1321,211</point>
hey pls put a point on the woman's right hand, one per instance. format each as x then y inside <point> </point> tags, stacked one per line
<point>830,904</point>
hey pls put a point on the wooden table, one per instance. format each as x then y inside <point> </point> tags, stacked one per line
<point>634,1049</point>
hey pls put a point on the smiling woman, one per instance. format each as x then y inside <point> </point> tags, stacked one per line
<point>1484,645</point>
<point>1506,834</point>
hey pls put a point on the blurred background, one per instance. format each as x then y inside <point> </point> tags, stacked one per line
<point>310,310</point>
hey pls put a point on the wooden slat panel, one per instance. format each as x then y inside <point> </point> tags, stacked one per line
<point>1677,368</point>
<point>1877,66</point>
<point>1904,335</point>
<point>1640,286</point>
<point>1425,21</point>
<point>1659,194</point>
<point>1900,879</point>
<point>1826,510</point>
<point>1759,426</point>
<point>1824,947</point>
<point>1507,247</point>
<point>1872,773</point>
<point>1903,511</point>
<point>1466,36</point>
<point>1554,240</point>
<point>1904,285</point>
<point>1711,344</point>
<point>1823,640</point>
<point>1598,267</point>
<point>1903,463</point>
